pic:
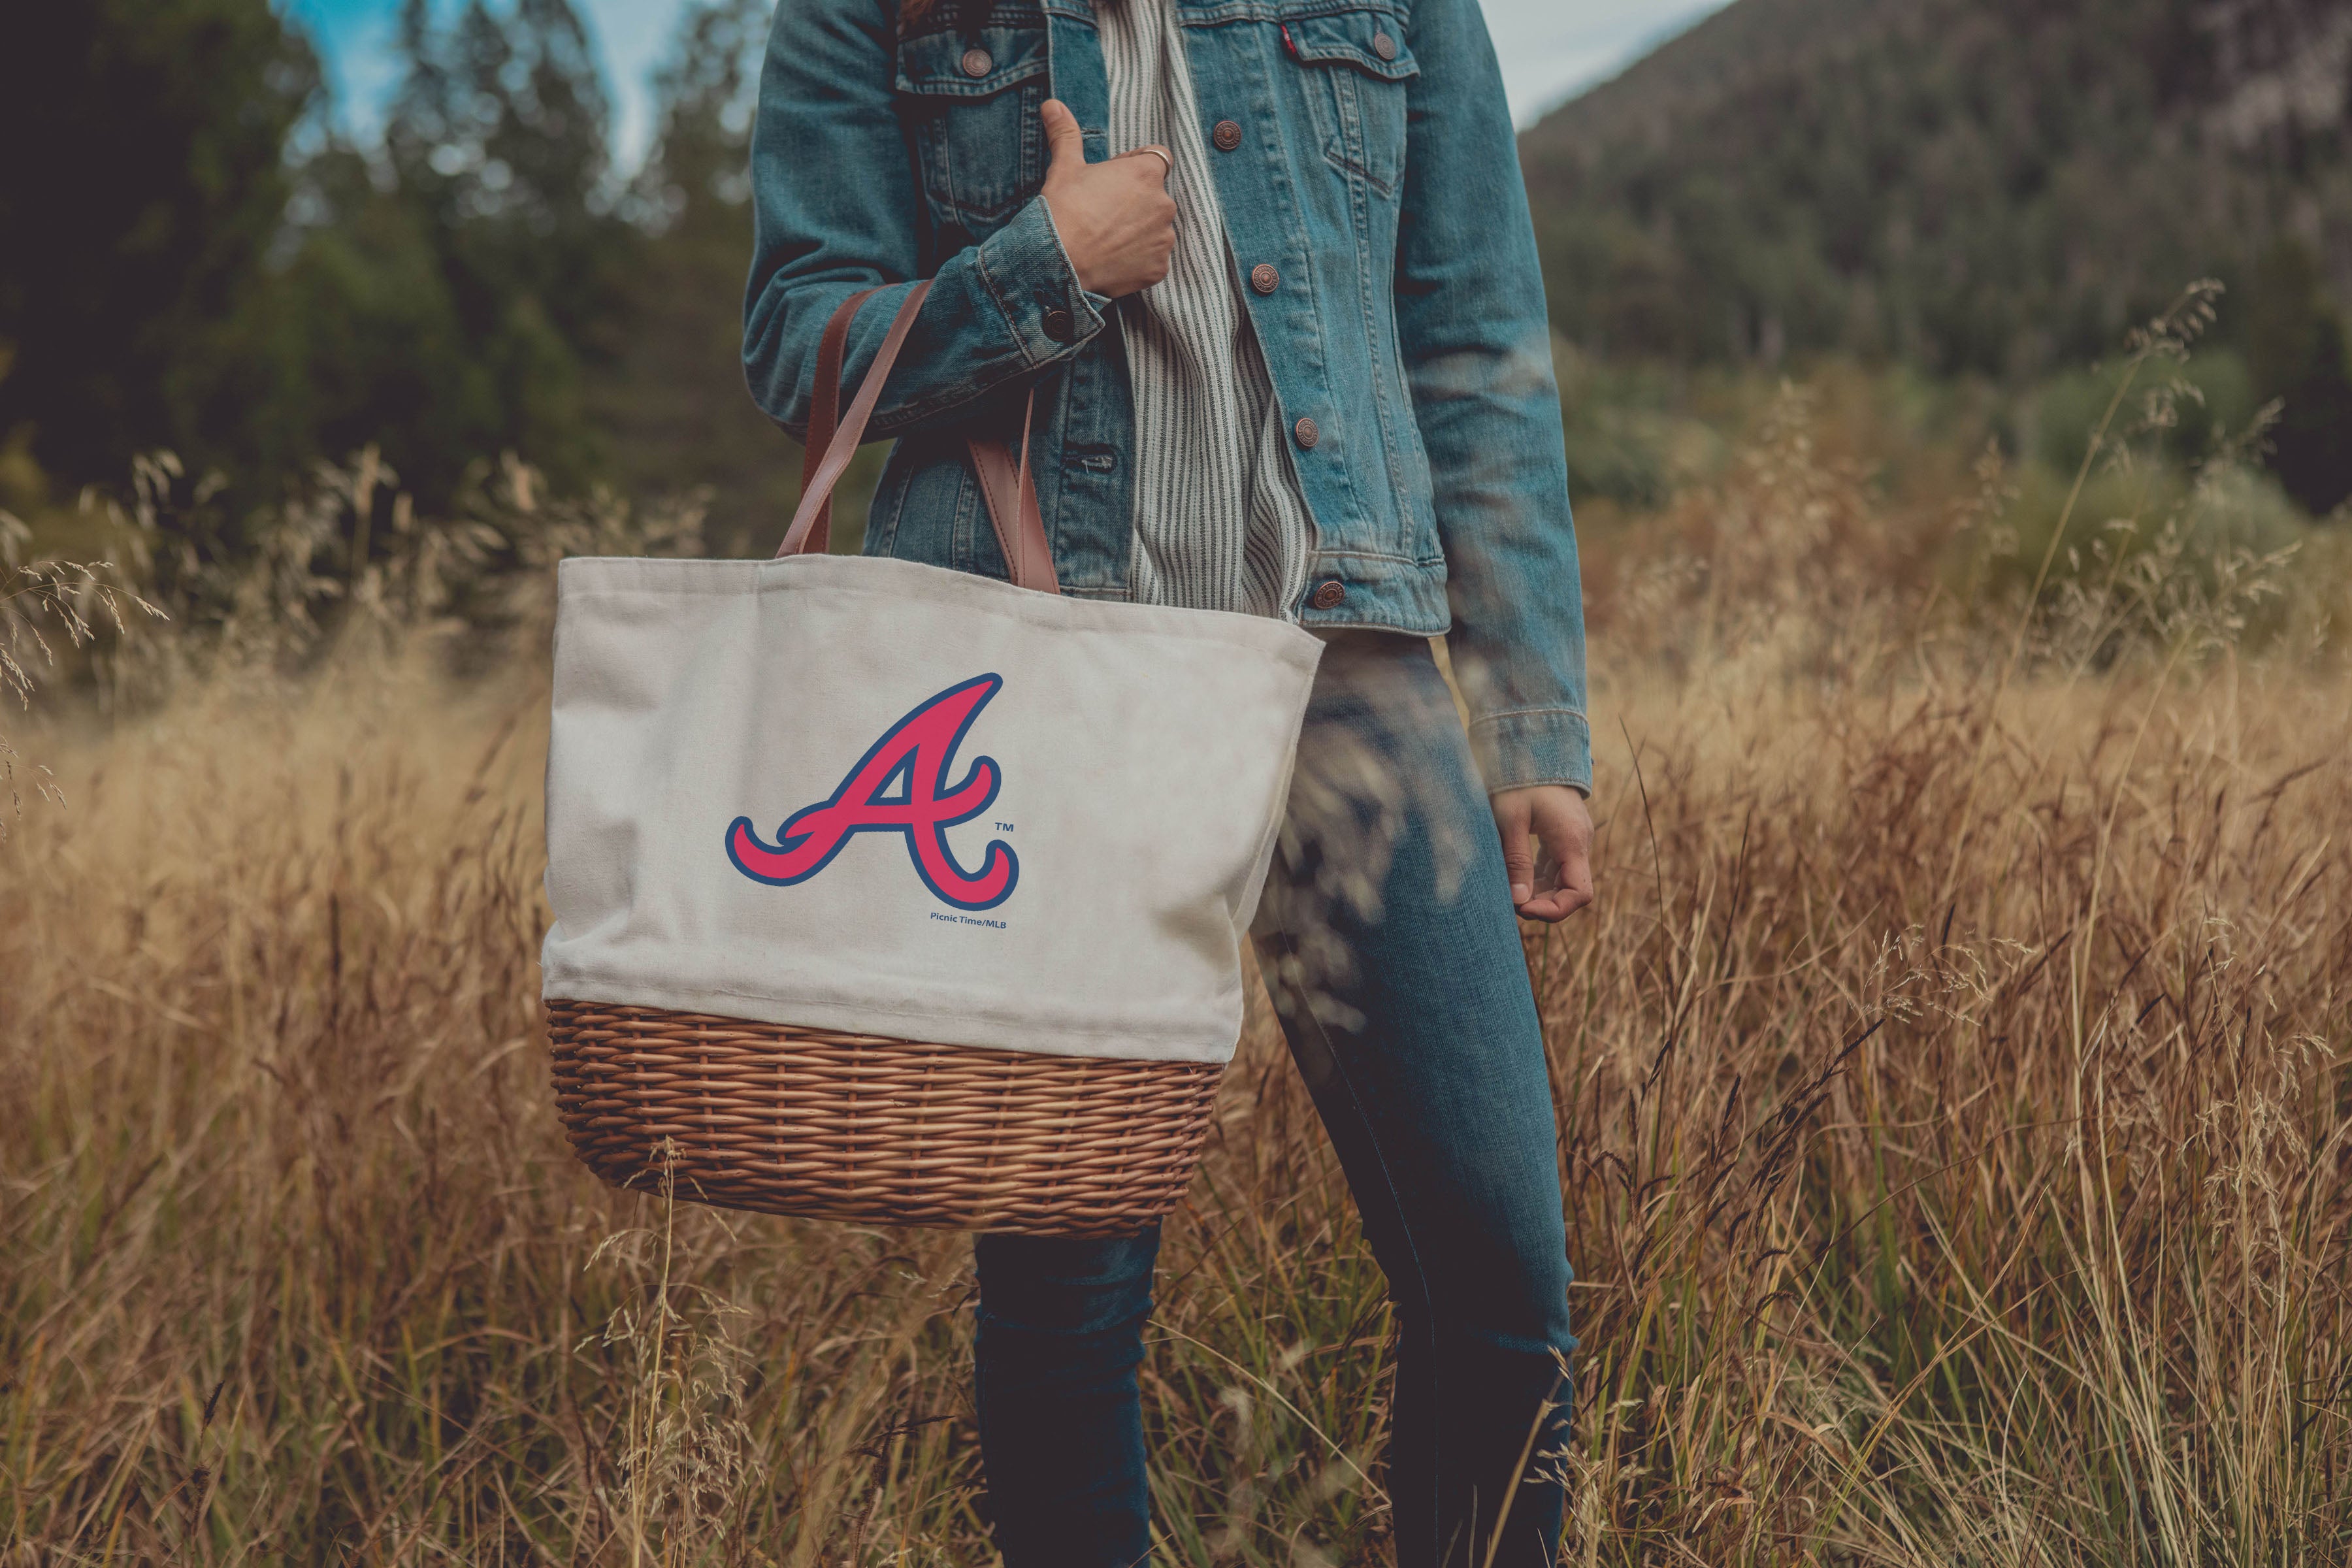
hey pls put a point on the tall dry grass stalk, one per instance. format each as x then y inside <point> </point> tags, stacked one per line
<point>1938,1196</point>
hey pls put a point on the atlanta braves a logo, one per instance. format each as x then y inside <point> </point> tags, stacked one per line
<point>899,787</point>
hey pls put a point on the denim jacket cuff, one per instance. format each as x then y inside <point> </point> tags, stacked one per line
<point>1029,276</point>
<point>1533,746</point>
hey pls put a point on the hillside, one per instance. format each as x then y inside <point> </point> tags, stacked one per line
<point>1995,186</point>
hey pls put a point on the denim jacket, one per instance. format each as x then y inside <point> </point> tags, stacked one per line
<point>1364,160</point>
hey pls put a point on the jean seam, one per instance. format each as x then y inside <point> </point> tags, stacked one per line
<point>1404,1230</point>
<point>1500,714</point>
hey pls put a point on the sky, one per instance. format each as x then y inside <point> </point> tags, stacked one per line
<point>1550,48</point>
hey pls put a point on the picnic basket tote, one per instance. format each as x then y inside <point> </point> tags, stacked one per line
<point>899,895</point>
<point>806,1121</point>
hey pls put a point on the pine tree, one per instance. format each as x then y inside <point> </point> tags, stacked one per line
<point>2298,353</point>
<point>142,187</point>
<point>498,143</point>
<point>675,400</point>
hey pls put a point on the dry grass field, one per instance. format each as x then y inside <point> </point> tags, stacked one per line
<point>1953,1087</point>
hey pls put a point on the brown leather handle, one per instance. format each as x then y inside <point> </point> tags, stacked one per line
<point>825,410</point>
<point>1005,484</point>
<point>816,488</point>
<point>1010,492</point>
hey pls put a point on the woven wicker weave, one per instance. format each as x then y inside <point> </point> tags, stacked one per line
<point>852,1126</point>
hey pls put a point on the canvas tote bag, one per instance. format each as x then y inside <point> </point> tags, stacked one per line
<point>892,893</point>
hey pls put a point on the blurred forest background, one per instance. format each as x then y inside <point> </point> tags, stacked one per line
<point>198,260</point>
<point>1944,212</point>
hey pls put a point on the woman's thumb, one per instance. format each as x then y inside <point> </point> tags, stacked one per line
<point>1511,816</point>
<point>1065,143</point>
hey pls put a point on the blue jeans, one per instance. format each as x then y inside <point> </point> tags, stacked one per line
<point>1387,939</point>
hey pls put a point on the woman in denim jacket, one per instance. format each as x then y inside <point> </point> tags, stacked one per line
<point>1268,267</point>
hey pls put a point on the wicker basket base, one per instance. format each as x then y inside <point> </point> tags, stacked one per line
<point>853,1127</point>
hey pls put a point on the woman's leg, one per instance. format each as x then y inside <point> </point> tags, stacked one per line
<point>1393,956</point>
<point>1061,1422</point>
<point>1389,945</point>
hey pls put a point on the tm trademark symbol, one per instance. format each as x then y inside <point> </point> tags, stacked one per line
<point>1004,828</point>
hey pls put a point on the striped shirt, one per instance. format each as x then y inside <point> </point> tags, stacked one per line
<point>1220,523</point>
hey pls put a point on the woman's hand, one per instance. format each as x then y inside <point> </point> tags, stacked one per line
<point>1116,220</point>
<point>1555,813</point>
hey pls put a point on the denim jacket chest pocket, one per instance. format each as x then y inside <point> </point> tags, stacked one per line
<point>971,102</point>
<point>1355,66</point>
